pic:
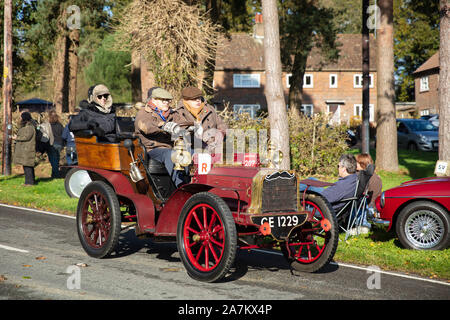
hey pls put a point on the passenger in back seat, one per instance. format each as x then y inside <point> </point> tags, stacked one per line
<point>97,114</point>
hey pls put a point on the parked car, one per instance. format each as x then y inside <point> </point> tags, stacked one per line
<point>351,138</point>
<point>418,211</point>
<point>434,119</point>
<point>417,134</point>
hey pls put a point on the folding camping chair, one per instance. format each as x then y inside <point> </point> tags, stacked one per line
<point>354,211</point>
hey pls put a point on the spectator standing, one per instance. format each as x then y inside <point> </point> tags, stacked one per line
<point>25,147</point>
<point>55,141</point>
<point>68,139</point>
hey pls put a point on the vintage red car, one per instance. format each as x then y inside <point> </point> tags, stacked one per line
<point>418,211</point>
<point>241,205</point>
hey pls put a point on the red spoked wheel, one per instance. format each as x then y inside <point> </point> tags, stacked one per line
<point>98,219</point>
<point>312,246</point>
<point>206,237</point>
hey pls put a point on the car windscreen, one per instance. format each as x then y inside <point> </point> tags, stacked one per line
<point>421,126</point>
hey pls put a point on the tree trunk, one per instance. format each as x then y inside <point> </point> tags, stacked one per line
<point>296,85</point>
<point>274,91</point>
<point>386,151</point>
<point>74,43</point>
<point>60,74</point>
<point>136,89</point>
<point>7,88</point>
<point>61,65</point>
<point>444,82</point>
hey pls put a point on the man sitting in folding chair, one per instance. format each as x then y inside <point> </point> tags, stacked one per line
<point>345,187</point>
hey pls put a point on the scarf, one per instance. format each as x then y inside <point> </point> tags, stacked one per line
<point>162,114</point>
<point>194,111</point>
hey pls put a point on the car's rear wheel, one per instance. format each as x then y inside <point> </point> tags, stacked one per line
<point>206,237</point>
<point>423,225</point>
<point>312,246</point>
<point>98,219</point>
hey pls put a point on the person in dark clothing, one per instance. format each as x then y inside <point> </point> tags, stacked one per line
<point>54,150</point>
<point>25,147</point>
<point>97,114</point>
<point>69,141</point>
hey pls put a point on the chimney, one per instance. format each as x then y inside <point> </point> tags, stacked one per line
<point>258,28</point>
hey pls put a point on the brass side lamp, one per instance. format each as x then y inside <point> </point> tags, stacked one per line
<point>180,157</point>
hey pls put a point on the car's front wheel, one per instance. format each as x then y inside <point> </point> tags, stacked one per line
<point>423,225</point>
<point>206,237</point>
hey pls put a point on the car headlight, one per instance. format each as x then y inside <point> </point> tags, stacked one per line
<point>423,138</point>
<point>382,200</point>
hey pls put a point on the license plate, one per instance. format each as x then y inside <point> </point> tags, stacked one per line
<point>279,225</point>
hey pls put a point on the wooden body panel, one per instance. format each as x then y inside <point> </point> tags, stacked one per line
<point>104,155</point>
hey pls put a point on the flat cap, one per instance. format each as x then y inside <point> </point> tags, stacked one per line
<point>191,93</point>
<point>160,93</point>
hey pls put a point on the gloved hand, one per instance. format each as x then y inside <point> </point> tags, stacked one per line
<point>99,132</point>
<point>198,130</point>
<point>172,128</point>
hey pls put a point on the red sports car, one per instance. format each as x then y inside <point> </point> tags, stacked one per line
<point>419,210</point>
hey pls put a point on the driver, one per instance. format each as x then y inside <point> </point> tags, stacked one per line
<point>97,114</point>
<point>154,125</point>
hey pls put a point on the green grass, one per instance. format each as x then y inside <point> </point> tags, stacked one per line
<point>48,194</point>
<point>378,248</point>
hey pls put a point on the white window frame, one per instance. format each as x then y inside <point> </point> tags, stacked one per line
<point>335,85</point>
<point>360,77</point>
<point>424,84</point>
<point>425,112</point>
<point>357,111</point>
<point>252,109</point>
<point>304,80</point>
<point>307,109</point>
<point>289,75</point>
<point>246,80</point>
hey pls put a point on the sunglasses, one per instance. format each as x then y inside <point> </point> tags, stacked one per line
<point>106,95</point>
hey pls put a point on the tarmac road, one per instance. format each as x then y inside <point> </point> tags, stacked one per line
<point>39,253</point>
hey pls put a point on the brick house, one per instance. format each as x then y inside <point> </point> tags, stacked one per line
<point>239,78</point>
<point>426,82</point>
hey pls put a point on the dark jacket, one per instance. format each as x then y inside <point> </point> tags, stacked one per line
<point>25,148</point>
<point>57,130</point>
<point>148,127</point>
<point>90,118</point>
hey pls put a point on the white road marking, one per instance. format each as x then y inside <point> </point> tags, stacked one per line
<point>36,210</point>
<point>369,269</point>
<point>12,249</point>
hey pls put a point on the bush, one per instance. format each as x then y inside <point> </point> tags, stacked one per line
<point>315,146</point>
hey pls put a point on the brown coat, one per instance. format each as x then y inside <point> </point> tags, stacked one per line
<point>25,148</point>
<point>208,117</point>
<point>148,126</point>
<point>374,187</point>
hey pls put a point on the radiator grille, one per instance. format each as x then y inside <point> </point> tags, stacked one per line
<point>279,193</point>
